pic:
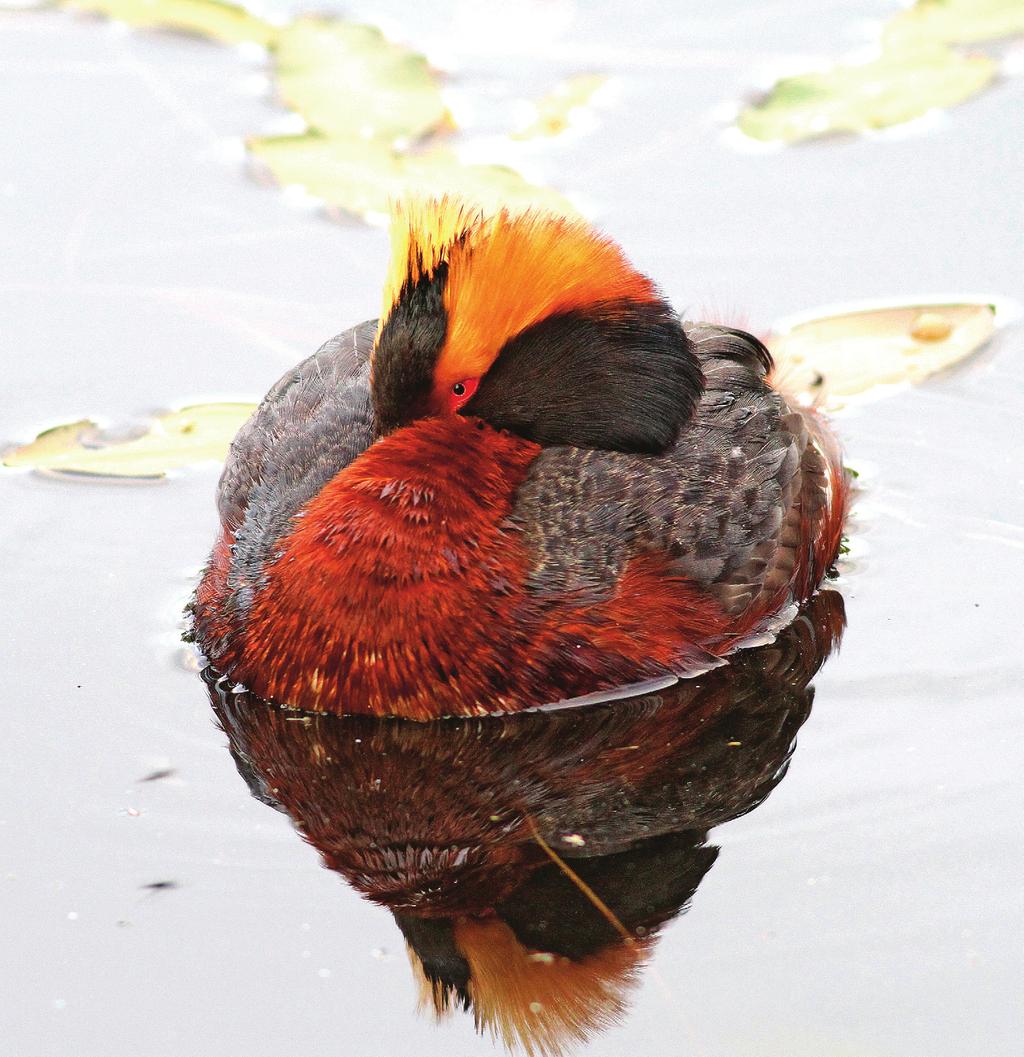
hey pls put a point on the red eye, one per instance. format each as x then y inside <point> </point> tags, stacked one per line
<point>461,393</point>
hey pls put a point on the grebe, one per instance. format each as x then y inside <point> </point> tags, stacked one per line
<point>528,482</point>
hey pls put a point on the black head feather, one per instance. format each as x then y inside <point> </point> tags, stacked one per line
<point>617,375</point>
<point>407,349</point>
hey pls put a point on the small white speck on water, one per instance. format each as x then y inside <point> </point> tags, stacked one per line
<point>307,954</point>
<point>305,926</point>
<point>381,954</point>
<point>72,915</point>
<point>60,1003</point>
<point>323,973</point>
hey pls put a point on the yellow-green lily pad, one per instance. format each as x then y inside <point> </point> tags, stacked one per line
<point>900,85</point>
<point>350,81</point>
<point>554,110</point>
<point>835,357</point>
<point>215,19</point>
<point>194,434</point>
<point>956,21</point>
<point>365,177</point>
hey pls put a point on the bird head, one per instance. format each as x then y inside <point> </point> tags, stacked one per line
<point>532,322</point>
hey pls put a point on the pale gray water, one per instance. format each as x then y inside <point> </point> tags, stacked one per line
<point>871,908</point>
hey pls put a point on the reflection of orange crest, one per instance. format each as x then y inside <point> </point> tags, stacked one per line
<point>534,1001</point>
<point>505,273</point>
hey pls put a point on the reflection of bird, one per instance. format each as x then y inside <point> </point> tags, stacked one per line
<point>529,860</point>
<point>528,483</point>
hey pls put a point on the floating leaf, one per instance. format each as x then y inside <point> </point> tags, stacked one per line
<point>348,80</point>
<point>900,85</point>
<point>207,18</point>
<point>835,357</point>
<point>178,438</point>
<point>365,99</point>
<point>956,21</point>
<point>554,110</point>
<point>365,176</point>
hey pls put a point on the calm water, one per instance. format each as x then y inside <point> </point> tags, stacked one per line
<point>869,907</point>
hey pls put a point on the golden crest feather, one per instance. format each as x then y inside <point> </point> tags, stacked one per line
<point>505,272</point>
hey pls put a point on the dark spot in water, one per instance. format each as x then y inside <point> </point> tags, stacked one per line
<point>160,886</point>
<point>155,776</point>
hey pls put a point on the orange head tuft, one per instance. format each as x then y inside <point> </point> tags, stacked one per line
<point>537,298</point>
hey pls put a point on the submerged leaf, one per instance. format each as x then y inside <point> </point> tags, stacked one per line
<point>956,21</point>
<point>554,110</point>
<point>179,438</point>
<point>365,176</point>
<point>349,80</point>
<point>225,22</point>
<point>835,357</point>
<point>900,85</point>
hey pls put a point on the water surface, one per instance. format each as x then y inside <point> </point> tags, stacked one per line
<point>869,907</point>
